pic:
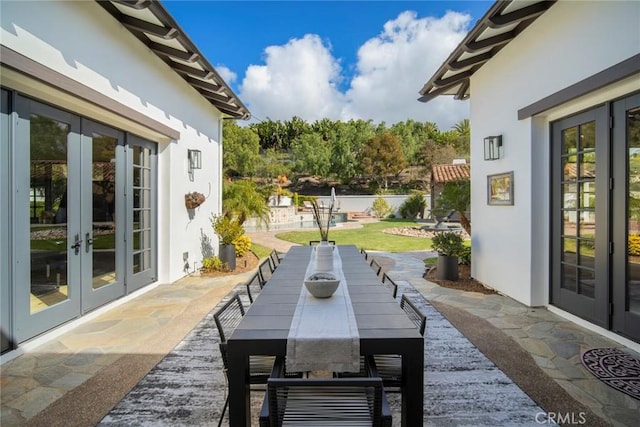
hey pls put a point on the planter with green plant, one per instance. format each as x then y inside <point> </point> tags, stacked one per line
<point>449,246</point>
<point>227,230</point>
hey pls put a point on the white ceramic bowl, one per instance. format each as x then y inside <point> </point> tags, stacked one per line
<point>322,285</point>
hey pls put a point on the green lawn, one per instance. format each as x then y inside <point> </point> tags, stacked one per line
<point>370,237</point>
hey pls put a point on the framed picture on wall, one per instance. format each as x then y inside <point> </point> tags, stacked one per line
<point>500,189</point>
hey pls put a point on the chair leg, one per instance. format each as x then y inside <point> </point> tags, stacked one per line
<point>224,409</point>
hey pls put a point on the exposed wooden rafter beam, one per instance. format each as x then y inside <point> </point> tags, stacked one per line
<point>148,27</point>
<point>528,12</point>
<point>173,53</point>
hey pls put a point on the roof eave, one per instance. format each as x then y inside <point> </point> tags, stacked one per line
<point>453,76</point>
<point>193,66</point>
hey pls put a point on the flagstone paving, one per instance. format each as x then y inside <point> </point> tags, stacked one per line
<point>109,355</point>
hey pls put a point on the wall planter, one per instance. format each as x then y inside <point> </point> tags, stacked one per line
<point>193,200</point>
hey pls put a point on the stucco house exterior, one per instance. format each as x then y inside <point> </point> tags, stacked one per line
<point>558,86</point>
<point>110,116</point>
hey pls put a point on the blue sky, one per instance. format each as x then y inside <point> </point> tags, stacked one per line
<point>336,59</point>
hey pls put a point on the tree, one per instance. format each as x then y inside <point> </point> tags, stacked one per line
<point>241,150</point>
<point>462,142</point>
<point>311,155</point>
<point>456,195</point>
<point>383,157</point>
<point>434,153</point>
<point>243,199</point>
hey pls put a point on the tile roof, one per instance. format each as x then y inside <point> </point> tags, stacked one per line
<point>448,173</point>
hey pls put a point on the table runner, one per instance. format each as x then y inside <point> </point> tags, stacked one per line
<point>324,333</point>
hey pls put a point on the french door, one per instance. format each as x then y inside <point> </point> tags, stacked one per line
<point>78,216</point>
<point>596,216</point>
<point>580,193</point>
<point>626,217</point>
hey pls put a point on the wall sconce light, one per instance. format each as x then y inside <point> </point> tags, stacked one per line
<point>492,147</point>
<point>195,159</point>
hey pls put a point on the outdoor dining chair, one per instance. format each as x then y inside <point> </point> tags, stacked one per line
<point>227,319</point>
<point>364,254</point>
<point>265,269</point>
<point>317,242</point>
<point>276,258</point>
<point>391,284</point>
<point>333,402</point>
<point>389,366</point>
<point>376,267</point>
<point>254,285</point>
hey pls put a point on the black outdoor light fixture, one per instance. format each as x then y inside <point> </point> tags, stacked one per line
<point>492,147</point>
<point>195,159</point>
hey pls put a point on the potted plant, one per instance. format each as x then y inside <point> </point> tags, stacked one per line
<point>449,246</point>
<point>227,230</point>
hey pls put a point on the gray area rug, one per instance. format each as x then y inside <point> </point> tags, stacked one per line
<point>462,386</point>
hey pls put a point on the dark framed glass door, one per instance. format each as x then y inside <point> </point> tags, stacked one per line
<point>580,198</point>
<point>626,217</point>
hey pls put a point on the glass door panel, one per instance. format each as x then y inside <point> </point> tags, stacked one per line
<point>102,186</point>
<point>46,232</point>
<point>579,223</point>
<point>48,212</point>
<point>633,211</point>
<point>141,263</point>
<point>103,183</point>
<point>626,217</point>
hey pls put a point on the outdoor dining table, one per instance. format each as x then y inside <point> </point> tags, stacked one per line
<point>383,328</point>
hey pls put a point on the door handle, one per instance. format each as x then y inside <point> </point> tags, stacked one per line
<point>88,242</point>
<point>76,244</point>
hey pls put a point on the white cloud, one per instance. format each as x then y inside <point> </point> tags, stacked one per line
<point>300,78</point>
<point>227,75</point>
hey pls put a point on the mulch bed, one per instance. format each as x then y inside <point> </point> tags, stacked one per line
<point>244,264</point>
<point>464,283</point>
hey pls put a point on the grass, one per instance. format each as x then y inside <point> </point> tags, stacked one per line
<point>369,237</point>
<point>260,251</point>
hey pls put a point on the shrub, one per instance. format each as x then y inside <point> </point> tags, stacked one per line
<point>243,245</point>
<point>634,245</point>
<point>414,206</point>
<point>381,208</point>
<point>213,263</point>
<point>227,229</point>
<point>448,243</point>
<point>464,257</point>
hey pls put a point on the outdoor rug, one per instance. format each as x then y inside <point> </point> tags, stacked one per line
<point>615,368</point>
<point>462,386</point>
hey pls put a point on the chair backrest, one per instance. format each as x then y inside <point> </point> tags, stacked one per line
<point>254,286</point>
<point>317,242</point>
<point>414,313</point>
<point>391,284</point>
<point>228,317</point>
<point>376,267</point>
<point>364,254</point>
<point>275,258</point>
<point>331,402</point>
<point>266,270</point>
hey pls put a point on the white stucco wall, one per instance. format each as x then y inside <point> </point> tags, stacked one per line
<point>83,42</point>
<point>567,44</point>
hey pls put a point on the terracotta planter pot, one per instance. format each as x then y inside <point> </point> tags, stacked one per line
<point>447,267</point>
